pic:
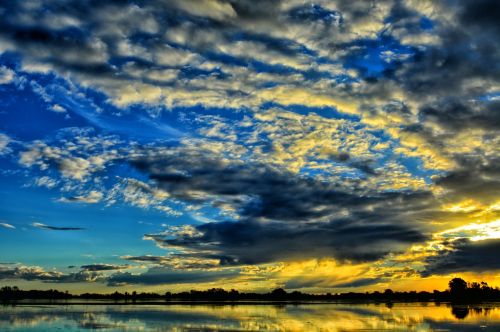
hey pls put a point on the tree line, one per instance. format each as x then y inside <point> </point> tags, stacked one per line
<point>458,291</point>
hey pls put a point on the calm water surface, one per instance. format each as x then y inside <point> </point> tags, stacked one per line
<point>306,317</point>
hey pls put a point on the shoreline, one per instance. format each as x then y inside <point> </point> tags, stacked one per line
<point>232,303</point>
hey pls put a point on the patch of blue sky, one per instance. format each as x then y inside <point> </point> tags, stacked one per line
<point>9,164</point>
<point>28,109</point>
<point>136,122</point>
<point>206,214</point>
<point>26,115</point>
<point>11,60</point>
<point>426,23</point>
<point>416,167</point>
<point>492,96</point>
<point>107,229</point>
<point>381,135</point>
<point>262,67</point>
<point>267,85</point>
<point>189,72</point>
<point>370,56</point>
<point>162,123</point>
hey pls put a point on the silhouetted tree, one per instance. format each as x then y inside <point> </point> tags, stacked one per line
<point>457,286</point>
<point>388,292</point>
<point>459,292</point>
<point>460,312</point>
<point>278,294</point>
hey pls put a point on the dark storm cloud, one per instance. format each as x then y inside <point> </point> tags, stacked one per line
<point>455,114</point>
<point>56,228</point>
<point>466,52</point>
<point>259,191</point>
<point>250,242</point>
<point>451,80</point>
<point>256,10</point>
<point>465,255</point>
<point>282,215</point>
<point>441,74</point>
<point>476,172</point>
<point>475,177</point>
<point>482,14</point>
<point>103,267</point>
<point>146,259</point>
<point>165,276</point>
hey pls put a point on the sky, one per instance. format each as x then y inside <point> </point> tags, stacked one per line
<point>318,146</point>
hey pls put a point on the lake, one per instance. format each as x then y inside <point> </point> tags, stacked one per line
<point>251,317</point>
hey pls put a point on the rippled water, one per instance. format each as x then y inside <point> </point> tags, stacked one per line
<point>305,317</point>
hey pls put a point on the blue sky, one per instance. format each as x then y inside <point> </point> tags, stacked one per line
<point>257,144</point>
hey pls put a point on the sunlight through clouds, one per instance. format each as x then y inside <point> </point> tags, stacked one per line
<point>325,145</point>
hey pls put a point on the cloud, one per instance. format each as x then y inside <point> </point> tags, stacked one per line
<point>248,242</point>
<point>103,267</point>
<point>58,109</point>
<point>178,261</point>
<point>55,228</point>
<point>280,215</point>
<point>45,181</point>
<point>4,142</point>
<point>141,194</point>
<point>255,190</point>
<point>71,164</point>
<point>7,75</point>
<point>337,129</point>
<point>227,43</point>
<point>463,255</point>
<point>360,282</point>
<point>6,225</point>
<point>475,177</point>
<point>91,198</point>
<point>31,273</point>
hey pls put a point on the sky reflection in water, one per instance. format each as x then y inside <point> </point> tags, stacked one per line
<point>326,317</point>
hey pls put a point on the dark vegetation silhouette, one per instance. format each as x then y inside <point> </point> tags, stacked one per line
<point>462,311</point>
<point>459,291</point>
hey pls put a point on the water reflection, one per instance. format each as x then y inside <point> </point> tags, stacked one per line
<point>317,317</point>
